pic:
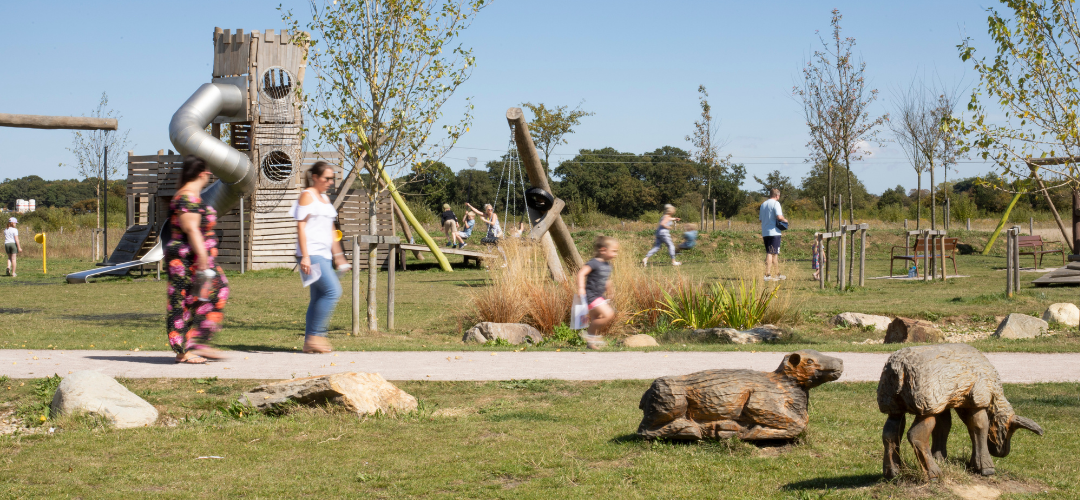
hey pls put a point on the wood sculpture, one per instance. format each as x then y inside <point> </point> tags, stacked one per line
<point>927,381</point>
<point>747,404</point>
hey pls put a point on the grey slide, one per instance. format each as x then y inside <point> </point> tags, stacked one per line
<point>187,131</point>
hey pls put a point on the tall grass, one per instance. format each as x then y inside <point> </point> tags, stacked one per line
<point>71,244</point>
<point>741,306</point>
<point>522,290</point>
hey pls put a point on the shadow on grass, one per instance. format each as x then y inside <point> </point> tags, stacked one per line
<point>17,310</point>
<point>834,482</point>
<point>123,317</point>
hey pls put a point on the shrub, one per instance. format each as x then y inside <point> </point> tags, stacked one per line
<point>743,306</point>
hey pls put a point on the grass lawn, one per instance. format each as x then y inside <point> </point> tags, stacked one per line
<point>516,439</point>
<point>266,309</point>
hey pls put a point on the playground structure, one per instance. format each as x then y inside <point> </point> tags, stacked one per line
<point>257,175</point>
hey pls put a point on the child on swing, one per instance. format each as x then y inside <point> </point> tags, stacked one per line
<point>594,283</point>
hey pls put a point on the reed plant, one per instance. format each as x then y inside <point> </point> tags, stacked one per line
<point>521,290</point>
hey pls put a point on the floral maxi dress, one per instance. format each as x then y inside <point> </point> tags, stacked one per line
<point>192,322</point>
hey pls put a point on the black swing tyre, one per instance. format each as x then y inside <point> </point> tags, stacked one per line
<point>538,199</point>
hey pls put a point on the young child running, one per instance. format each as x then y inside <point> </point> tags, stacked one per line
<point>689,238</point>
<point>593,282</point>
<point>663,236</point>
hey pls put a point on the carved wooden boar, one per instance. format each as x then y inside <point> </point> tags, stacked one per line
<point>748,404</point>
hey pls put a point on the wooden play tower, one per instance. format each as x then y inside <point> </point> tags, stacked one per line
<point>268,67</point>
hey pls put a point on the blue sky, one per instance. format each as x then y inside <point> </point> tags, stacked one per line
<point>637,65</point>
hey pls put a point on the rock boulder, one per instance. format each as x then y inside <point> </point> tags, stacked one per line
<point>880,323</point>
<point>100,395</point>
<point>640,340</point>
<point>1064,313</point>
<point>903,330</point>
<point>361,393</point>
<point>1020,326</point>
<point>751,336</point>
<point>514,333</point>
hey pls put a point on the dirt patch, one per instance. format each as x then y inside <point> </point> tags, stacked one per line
<point>453,412</point>
<point>990,489</point>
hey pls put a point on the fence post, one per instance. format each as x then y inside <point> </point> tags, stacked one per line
<point>841,263</point>
<point>926,253</point>
<point>356,285</point>
<point>1016,261</point>
<point>969,224</point>
<point>862,257</point>
<point>1031,226</point>
<point>390,282</point>
<point>1008,263</point>
<point>905,225</point>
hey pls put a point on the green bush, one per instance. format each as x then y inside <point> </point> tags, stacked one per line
<point>651,217</point>
<point>742,306</point>
<point>891,213</point>
<point>563,334</point>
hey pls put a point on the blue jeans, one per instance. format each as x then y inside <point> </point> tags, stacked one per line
<point>324,296</point>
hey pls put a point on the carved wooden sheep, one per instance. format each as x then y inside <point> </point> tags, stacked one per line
<point>929,380</point>
<point>747,404</point>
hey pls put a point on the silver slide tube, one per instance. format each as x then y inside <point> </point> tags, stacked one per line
<point>187,131</point>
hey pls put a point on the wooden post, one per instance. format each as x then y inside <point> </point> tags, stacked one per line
<point>825,210</point>
<point>862,257</point>
<point>969,224</point>
<point>704,221</point>
<point>1008,263</point>
<point>843,250</point>
<point>942,259</point>
<point>356,285</point>
<point>242,234</point>
<point>821,267</point>
<point>714,214</point>
<point>1016,259</point>
<point>57,122</point>
<point>926,253</point>
<point>905,225</point>
<point>729,224</point>
<point>530,159</point>
<point>390,281</point>
<point>1031,226</point>
<point>828,259</point>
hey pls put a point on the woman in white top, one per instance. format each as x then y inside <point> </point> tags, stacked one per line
<point>316,248</point>
<point>11,245</point>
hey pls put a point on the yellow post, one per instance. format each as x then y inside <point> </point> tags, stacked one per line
<point>40,238</point>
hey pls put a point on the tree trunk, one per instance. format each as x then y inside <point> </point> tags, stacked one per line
<point>918,203</point>
<point>97,194</point>
<point>373,256</point>
<point>829,164</point>
<point>933,198</point>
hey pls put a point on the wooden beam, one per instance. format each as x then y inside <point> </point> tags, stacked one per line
<point>57,122</point>
<point>560,234</point>
<point>541,228</point>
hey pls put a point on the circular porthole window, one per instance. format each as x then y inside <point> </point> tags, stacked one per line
<point>277,166</point>
<point>277,83</point>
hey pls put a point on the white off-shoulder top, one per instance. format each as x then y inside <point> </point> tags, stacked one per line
<point>320,216</point>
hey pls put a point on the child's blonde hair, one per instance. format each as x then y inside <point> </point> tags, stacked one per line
<point>669,209</point>
<point>691,227</point>
<point>602,241</point>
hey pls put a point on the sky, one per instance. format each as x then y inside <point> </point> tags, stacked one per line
<point>636,65</point>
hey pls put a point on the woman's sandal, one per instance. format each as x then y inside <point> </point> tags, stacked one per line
<point>194,359</point>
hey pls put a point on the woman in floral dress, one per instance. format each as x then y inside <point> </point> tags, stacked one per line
<point>191,322</point>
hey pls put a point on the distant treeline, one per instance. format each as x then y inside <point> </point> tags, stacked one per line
<point>80,196</point>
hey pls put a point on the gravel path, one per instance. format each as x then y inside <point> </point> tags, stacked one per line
<point>474,365</point>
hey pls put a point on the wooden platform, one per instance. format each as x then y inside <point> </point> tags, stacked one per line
<point>1068,275</point>
<point>466,254</point>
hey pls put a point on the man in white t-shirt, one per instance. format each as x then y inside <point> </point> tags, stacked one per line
<point>769,214</point>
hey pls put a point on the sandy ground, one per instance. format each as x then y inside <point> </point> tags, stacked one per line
<point>473,365</point>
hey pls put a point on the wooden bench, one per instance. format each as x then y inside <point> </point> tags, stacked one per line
<point>918,252</point>
<point>1037,248</point>
<point>465,254</point>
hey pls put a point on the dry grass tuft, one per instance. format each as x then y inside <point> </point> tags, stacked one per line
<point>522,290</point>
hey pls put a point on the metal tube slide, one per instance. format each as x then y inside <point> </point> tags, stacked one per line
<point>187,131</point>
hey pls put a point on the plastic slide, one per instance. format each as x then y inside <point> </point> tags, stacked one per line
<point>187,131</point>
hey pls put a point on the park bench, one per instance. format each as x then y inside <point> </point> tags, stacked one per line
<point>918,251</point>
<point>1037,248</point>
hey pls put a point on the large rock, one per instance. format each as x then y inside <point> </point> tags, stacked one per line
<point>1020,326</point>
<point>1064,313</point>
<point>362,393</point>
<point>880,323</point>
<point>640,340</point>
<point>762,333</point>
<point>100,395</point>
<point>514,333</point>
<point>903,330</point>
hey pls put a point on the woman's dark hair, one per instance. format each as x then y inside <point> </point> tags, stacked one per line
<point>193,166</point>
<point>316,170</point>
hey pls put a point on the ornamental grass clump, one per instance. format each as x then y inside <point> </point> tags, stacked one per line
<point>742,306</point>
<point>521,290</point>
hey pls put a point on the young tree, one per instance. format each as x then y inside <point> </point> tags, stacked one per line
<point>779,181</point>
<point>89,148</point>
<point>906,127</point>
<point>835,102</point>
<point>706,145</point>
<point>384,69</point>
<point>1032,77</point>
<point>549,127</point>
